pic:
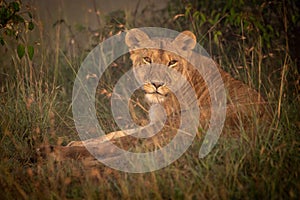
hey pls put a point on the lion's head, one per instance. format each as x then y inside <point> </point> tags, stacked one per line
<point>154,65</point>
<point>156,60</point>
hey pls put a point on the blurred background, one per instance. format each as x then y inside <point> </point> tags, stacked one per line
<point>92,15</point>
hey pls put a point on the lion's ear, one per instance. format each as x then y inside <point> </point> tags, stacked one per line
<point>134,37</point>
<point>186,40</point>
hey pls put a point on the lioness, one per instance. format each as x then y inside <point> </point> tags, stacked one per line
<point>243,103</point>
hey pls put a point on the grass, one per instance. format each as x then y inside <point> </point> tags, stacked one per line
<point>35,107</point>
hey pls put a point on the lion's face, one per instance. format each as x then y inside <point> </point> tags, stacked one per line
<point>156,68</point>
<point>152,68</point>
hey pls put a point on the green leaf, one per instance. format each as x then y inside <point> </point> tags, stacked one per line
<point>30,15</point>
<point>203,17</point>
<point>30,26</point>
<point>30,50</point>
<point>15,6</point>
<point>17,19</point>
<point>20,50</point>
<point>2,41</point>
<point>9,32</point>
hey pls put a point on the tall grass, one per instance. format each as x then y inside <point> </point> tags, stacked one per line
<point>36,109</point>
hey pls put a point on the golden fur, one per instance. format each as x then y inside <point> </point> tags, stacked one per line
<point>244,104</point>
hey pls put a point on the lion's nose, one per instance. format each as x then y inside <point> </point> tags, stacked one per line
<point>157,84</point>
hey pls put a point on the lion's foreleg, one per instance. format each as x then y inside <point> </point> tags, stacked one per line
<point>102,139</point>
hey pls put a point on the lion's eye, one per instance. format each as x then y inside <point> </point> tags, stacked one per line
<point>147,60</point>
<point>172,63</point>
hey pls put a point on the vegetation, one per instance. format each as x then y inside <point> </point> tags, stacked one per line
<point>255,41</point>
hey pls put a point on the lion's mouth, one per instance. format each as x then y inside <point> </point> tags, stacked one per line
<point>155,93</point>
<point>155,97</point>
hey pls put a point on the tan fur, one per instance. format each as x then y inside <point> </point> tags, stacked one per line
<point>243,103</point>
